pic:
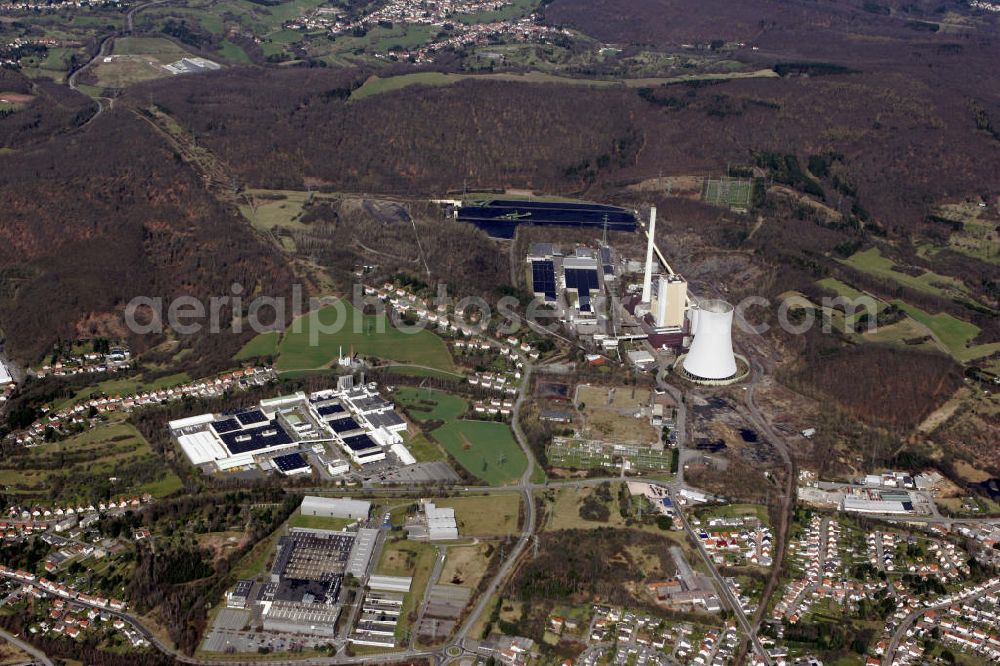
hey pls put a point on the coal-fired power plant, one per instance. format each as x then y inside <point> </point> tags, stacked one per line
<point>711,354</point>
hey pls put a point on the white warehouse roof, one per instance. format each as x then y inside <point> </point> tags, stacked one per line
<point>403,454</point>
<point>390,583</point>
<point>202,447</point>
<point>343,507</point>
<point>203,419</point>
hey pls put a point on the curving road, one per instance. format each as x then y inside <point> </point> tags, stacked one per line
<point>36,654</point>
<point>103,51</point>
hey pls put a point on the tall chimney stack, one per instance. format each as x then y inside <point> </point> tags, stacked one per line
<point>647,283</point>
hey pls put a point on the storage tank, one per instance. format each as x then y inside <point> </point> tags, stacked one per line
<point>711,355</point>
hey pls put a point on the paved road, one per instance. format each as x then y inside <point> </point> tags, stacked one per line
<point>104,103</point>
<point>726,593</point>
<point>788,495</point>
<point>36,654</point>
<point>530,517</point>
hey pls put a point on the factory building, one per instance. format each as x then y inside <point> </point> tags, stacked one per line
<point>671,302</point>
<point>358,420</point>
<point>231,441</point>
<point>441,523</point>
<point>332,507</point>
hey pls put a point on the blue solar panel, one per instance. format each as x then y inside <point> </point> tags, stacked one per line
<point>226,425</point>
<point>326,410</point>
<point>543,279</point>
<point>360,443</point>
<point>252,439</point>
<point>290,462</point>
<point>583,280</point>
<point>343,425</point>
<point>251,416</point>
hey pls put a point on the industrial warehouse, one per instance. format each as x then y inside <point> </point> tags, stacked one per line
<point>353,421</point>
<point>302,593</point>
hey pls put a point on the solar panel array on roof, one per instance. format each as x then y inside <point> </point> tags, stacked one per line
<point>225,425</point>
<point>343,425</point>
<point>250,417</point>
<point>290,462</point>
<point>253,439</point>
<point>327,410</point>
<point>543,279</point>
<point>583,280</point>
<point>360,443</point>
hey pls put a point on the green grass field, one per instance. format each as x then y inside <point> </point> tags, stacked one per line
<point>484,448</point>
<point>319,522</point>
<point>430,404</point>
<point>953,333</point>
<point>151,46</point>
<point>265,344</point>
<point>487,450</point>
<point>314,340</point>
<point>414,371</point>
<point>871,261</point>
<point>485,515</point>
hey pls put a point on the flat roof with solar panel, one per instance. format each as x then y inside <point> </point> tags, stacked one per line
<point>359,443</point>
<point>225,425</point>
<point>290,463</point>
<point>543,278</point>
<point>343,425</point>
<point>250,417</point>
<point>328,410</point>
<point>253,439</point>
<point>583,280</point>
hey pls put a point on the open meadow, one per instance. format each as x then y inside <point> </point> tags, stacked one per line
<point>486,449</point>
<point>314,340</point>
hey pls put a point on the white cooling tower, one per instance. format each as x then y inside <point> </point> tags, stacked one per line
<point>647,282</point>
<point>711,354</point>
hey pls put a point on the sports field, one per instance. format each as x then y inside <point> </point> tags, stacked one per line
<point>314,340</point>
<point>728,192</point>
<point>484,448</point>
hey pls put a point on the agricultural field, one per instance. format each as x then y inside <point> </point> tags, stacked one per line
<point>494,515</point>
<point>80,469</point>
<point>485,449</point>
<point>610,413</point>
<point>324,333</point>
